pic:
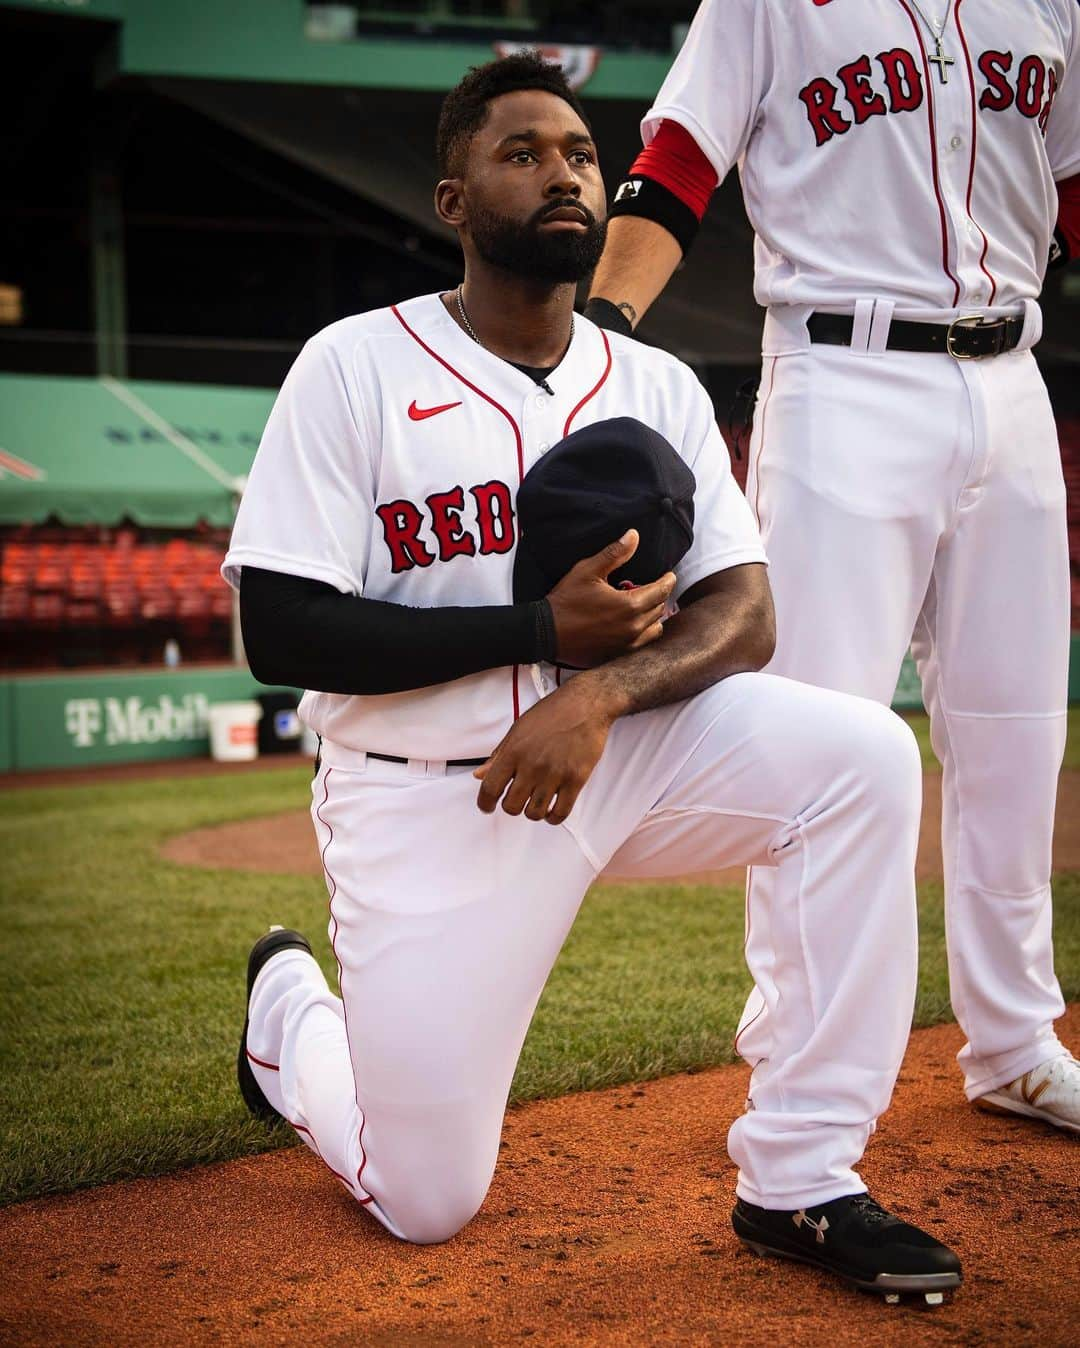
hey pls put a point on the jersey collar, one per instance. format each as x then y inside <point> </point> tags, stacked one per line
<point>581,369</point>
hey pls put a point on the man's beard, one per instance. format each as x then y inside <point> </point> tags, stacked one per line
<point>530,252</point>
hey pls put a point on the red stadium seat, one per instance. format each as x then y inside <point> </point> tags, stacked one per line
<point>82,612</point>
<point>14,606</point>
<point>46,610</point>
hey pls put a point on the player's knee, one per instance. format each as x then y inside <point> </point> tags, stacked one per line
<point>889,761</point>
<point>439,1219</point>
<point>433,1166</point>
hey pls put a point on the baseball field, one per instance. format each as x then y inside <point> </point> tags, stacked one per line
<point>129,905</point>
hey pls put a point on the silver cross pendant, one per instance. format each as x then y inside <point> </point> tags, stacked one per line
<point>942,61</point>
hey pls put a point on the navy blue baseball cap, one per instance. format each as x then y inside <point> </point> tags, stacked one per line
<point>588,490</point>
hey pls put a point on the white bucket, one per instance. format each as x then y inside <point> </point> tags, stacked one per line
<point>234,731</point>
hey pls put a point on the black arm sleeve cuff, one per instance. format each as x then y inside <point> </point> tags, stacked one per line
<point>306,634</point>
<point>646,197</point>
<point>1059,248</point>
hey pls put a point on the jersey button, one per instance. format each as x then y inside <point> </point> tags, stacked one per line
<point>956,142</point>
<point>544,447</point>
<point>540,400</point>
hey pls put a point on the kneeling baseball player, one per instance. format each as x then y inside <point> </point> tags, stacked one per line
<point>381,561</point>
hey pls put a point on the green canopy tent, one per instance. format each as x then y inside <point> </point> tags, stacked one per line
<point>97,451</point>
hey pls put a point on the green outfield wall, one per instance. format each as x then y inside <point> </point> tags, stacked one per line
<point>55,721</point>
<point>64,720</point>
<point>266,40</point>
<point>7,759</point>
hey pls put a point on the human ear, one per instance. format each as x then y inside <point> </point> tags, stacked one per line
<point>449,203</point>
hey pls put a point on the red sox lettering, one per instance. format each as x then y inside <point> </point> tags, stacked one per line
<point>402,522</point>
<point>1031,90</point>
<point>1031,81</point>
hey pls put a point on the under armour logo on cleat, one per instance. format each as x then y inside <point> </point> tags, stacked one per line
<point>820,1227</point>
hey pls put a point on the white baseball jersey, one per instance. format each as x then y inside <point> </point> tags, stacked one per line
<point>389,468</point>
<point>868,167</point>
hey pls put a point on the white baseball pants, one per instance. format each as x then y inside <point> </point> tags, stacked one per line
<point>445,923</point>
<point>909,497</point>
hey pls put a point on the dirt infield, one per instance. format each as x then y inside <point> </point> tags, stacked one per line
<point>607,1223</point>
<point>285,843</point>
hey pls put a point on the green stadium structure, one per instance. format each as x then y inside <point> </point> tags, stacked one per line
<point>98,451</point>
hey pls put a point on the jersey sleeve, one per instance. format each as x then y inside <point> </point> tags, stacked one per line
<point>1063,126</point>
<point>308,504</point>
<point>725,532</point>
<point>716,84</point>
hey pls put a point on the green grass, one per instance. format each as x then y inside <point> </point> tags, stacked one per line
<point>122,992</point>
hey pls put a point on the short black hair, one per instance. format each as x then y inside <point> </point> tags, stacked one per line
<point>465,107</point>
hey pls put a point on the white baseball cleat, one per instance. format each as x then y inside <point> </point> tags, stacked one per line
<point>1050,1092</point>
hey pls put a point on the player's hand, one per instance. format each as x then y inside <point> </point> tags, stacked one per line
<point>547,756</point>
<point>594,622</point>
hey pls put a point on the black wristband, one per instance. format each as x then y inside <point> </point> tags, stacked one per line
<point>607,315</point>
<point>546,648</point>
<point>647,198</point>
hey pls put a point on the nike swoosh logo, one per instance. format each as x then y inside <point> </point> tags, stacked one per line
<point>422,413</point>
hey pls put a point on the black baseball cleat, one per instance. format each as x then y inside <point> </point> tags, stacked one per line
<point>858,1240</point>
<point>273,943</point>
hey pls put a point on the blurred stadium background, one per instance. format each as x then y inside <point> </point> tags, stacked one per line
<point>188,192</point>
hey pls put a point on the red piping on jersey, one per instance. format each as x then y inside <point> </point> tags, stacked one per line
<point>332,886</point>
<point>498,407</point>
<point>595,390</point>
<point>971,169</point>
<point>933,152</point>
<point>458,375</point>
<point>270,1067</point>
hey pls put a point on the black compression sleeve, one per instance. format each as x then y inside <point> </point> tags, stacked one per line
<point>306,634</point>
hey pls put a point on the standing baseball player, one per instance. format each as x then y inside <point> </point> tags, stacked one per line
<point>375,554</point>
<point>902,164</point>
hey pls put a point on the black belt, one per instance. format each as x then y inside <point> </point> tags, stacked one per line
<point>450,762</point>
<point>967,338</point>
<point>393,758</point>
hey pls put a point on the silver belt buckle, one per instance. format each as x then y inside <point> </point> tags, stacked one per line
<point>964,321</point>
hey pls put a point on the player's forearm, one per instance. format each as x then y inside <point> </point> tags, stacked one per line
<point>639,259</point>
<point>728,630</point>
<point>305,634</point>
